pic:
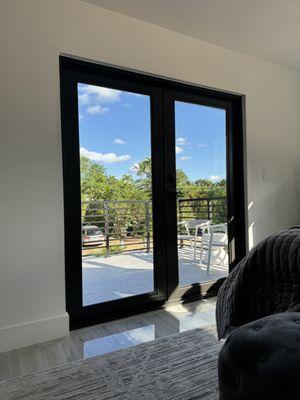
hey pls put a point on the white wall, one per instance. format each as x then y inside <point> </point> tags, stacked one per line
<point>32,35</point>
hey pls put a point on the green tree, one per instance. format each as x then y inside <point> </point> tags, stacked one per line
<point>93,180</point>
<point>182,183</point>
<point>143,170</point>
<point>97,185</point>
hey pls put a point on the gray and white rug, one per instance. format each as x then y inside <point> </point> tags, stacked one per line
<point>177,367</point>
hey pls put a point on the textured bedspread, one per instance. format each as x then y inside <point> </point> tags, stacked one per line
<point>265,282</point>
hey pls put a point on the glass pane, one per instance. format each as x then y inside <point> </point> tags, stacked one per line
<point>201,193</point>
<point>115,149</point>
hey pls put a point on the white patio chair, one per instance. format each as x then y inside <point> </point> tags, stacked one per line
<point>196,226</point>
<point>217,237</point>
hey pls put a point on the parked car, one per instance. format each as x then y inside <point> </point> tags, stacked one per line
<point>92,235</point>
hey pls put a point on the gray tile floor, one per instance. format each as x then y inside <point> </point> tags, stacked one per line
<point>127,274</point>
<point>107,337</point>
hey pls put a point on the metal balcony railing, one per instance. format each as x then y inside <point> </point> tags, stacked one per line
<point>126,225</point>
<point>212,208</point>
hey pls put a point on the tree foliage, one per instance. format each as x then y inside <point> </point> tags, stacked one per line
<point>97,185</point>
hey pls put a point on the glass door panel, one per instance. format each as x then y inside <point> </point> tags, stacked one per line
<point>116,193</point>
<point>201,190</point>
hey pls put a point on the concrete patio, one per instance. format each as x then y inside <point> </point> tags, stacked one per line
<point>128,274</point>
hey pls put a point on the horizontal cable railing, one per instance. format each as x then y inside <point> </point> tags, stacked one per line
<point>124,225</point>
<point>212,208</point>
<point>115,226</point>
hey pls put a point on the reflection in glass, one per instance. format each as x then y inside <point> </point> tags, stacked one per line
<point>173,319</point>
<point>107,344</point>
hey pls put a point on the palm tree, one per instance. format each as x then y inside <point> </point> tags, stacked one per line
<point>144,170</point>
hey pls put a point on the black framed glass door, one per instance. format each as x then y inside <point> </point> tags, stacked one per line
<point>206,211</point>
<point>150,170</point>
<point>112,145</point>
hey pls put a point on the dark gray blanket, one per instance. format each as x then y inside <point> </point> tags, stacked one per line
<point>265,282</point>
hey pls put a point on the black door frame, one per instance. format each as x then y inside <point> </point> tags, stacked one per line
<point>162,92</point>
<point>235,179</point>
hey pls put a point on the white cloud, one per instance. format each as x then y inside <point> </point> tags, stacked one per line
<point>97,109</point>
<point>80,117</point>
<point>84,98</point>
<point>178,149</point>
<point>215,178</point>
<point>182,141</point>
<point>103,158</point>
<point>101,94</point>
<point>202,145</point>
<point>119,141</point>
<point>184,158</point>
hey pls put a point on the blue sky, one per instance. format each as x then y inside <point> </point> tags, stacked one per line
<point>114,129</point>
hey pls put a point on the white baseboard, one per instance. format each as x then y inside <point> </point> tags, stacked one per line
<point>21,335</point>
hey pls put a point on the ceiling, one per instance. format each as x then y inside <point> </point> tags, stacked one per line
<point>267,29</point>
